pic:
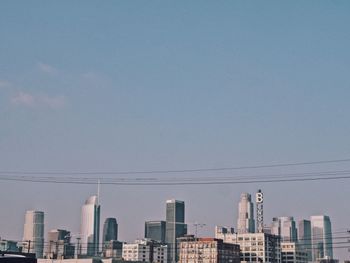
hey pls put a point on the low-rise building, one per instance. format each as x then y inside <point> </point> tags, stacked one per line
<point>293,253</point>
<point>327,260</point>
<point>145,250</point>
<point>83,260</point>
<point>17,257</point>
<point>113,249</point>
<point>9,245</point>
<point>254,247</point>
<point>59,245</point>
<point>160,253</point>
<point>136,252</point>
<point>208,250</point>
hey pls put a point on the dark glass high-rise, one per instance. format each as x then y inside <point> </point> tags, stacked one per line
<point>110,230</point>
<point>175,226</point>
<point>155,230</point>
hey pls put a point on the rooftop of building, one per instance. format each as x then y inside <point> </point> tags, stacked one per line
<point>92,200</point>
<point>174,201</point>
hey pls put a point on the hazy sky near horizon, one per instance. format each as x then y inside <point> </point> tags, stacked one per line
<point>153,85</point>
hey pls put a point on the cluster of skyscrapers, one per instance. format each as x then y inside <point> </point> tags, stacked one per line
<point>160,236</point>
<point>167,241</point>
<point>305,241</point>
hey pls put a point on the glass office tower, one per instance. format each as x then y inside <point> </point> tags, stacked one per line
<point>34,233</point>
<point>155,230</point>
<point>175,226</point>
<point>321,236</point>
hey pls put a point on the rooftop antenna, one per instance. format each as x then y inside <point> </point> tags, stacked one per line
<point>98,191</point>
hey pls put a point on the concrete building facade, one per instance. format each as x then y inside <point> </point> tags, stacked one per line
<point>254,247</point>
<point>291,252</point>
<point>208,250</point>
<point>146,251</point>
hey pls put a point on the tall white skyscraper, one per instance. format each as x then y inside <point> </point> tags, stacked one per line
<point>34,232</point>
<point>90,226</point>
<point>321,236</point>
<point>245,222</point>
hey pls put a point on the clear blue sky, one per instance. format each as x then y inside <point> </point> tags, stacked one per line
<point>144,85</point>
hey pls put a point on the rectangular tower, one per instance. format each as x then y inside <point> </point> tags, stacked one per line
<point>321,236</point>
<point>155,230</point>
<point>175,226</point>
<point>34,233</point>
<point>304,237</point>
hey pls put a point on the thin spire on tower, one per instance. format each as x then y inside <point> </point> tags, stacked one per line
<point>98,191</point>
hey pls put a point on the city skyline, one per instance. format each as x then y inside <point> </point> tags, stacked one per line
<point>281,219</point>
<point>285,227</point>
<point>142,94</point>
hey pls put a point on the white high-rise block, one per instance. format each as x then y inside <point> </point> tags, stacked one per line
<point>90,227</point>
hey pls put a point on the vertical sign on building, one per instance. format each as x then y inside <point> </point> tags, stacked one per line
<point>259,199</point>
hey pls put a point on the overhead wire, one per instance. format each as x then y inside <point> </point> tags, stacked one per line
<point>181,181</point>
<point>345,160</point>
<point>90,177</point>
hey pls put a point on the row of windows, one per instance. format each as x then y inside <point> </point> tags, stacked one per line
<point>198,245</point>
<point>250,238</point>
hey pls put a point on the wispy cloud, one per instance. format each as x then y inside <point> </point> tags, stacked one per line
<point>24,99</point>
<point>4,84</point>
<point>52,102</point>
<point>30,100</point>
<point>46,68</point>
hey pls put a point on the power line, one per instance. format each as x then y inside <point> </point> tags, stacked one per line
<point>196,178</point>
<point>163,183</point>
<point>336,235</point>
<point>182,170</point>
